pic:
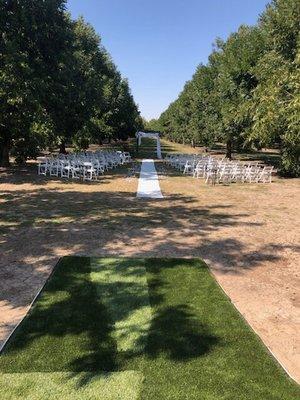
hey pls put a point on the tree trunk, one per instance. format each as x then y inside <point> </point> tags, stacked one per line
<point>229,149</point>
<point>4,153</point>
<point>62,148</point>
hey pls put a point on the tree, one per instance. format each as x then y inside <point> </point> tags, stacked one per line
<point>248,95</point>
<point>31,44</point>
<point>58,84</point>
<point>203,122</point>
<point>236,81</point>
<point>119,116</point>
<point>212,105</point>
<point>79,85</point>
<point>276,102</point>
<point>152,125</point>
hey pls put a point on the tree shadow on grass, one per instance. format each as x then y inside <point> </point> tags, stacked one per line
<point>176,334</point>
<point>71,327</point>
<point>68,329</point>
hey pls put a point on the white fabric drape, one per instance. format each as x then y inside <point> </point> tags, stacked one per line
<point>158,149</point>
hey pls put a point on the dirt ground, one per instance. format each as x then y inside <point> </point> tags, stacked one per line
<point>247,233</point>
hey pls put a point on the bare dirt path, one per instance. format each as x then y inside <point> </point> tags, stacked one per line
<point>249,235</point>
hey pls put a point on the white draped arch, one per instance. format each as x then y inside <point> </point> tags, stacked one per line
<point>151,135</point>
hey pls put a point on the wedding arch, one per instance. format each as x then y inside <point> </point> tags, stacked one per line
<point>151,135</point>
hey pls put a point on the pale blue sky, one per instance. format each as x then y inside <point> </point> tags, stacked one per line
<point>157,45</point>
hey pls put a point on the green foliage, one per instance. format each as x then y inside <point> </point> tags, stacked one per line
<point>39,136</point>
<point>152,125</point>
<point>276,108</point>
<point>30,55</point>
<point>57,82</point>
<point>248,94</point>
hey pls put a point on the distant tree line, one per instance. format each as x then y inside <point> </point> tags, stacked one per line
<point>58,85</point>
<point>248,94</point>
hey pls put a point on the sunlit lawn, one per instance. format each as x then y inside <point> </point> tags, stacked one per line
<point>107,329</point>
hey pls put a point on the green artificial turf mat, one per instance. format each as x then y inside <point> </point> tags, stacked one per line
<point>146,329</point>
<point>69,386</point>
<point>123,289</point>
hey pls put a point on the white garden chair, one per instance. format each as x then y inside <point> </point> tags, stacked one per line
<point>43,167</point>
<point>65,169</point>
<point>76,169</point>
<point>224,174</point>
<point>127,157</point>
<point>265,176</point>
<point>54,167</point>
<point>89,172</point>
<point>189,167</point>
<point>252,174</point>
<point>199,170</point>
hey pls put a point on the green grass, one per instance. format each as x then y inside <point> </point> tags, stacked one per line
<point>135,329</point>
<point>147,149</point>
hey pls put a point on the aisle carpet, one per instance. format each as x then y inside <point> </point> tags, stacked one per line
<point>148,185</point>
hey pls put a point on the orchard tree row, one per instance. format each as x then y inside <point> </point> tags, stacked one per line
<point>58,85</point>
<point>248,94</point>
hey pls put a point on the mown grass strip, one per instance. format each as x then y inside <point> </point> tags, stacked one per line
<point>164,325</point>
<point>68,329</point>
<point>123,289</point>
<point>69,386</point>
<point>199,347</point>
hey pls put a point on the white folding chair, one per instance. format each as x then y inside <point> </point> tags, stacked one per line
<point>43,167</point>
<point>265,176</point>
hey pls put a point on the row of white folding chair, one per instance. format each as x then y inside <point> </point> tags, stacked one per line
<point>174,159</point>
<point>67,168</point>
<point>85,168</point>
<point>228,173</point>
<point>117,156</point>
<point>198,166</point>
<point>111,160</point>
<point>72,168</point>
<point>124,156</point>
<point>195,165</point>
<point>204,165</point>
<point>220,170</point>
<point>184,163</point>
<point>88,165</point>
<point>219,173</point>
<point>259,174</point>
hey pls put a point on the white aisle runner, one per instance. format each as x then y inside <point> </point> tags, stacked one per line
<point>148,182</point>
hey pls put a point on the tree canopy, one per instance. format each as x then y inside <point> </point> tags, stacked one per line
<point>58,84</point>
<point>248,94</point>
